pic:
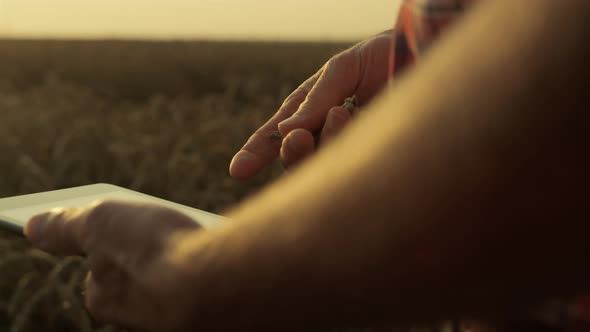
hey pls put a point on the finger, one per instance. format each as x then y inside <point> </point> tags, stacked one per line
<point>298,145</point>
<point>338,117</point>
<point>262,147</point>
<point>104,271</point>
<point>124,304</point>
<point>337,82</point>
<point>102,300</point>
<point>56,231</point>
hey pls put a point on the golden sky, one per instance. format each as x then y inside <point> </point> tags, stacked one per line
<point>193,19</point>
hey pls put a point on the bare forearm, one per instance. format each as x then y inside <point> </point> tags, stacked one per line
<point>454,194</point>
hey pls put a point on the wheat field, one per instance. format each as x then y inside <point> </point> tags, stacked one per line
<point>163,118</point>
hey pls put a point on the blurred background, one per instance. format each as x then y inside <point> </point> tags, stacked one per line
<point>155,96</point>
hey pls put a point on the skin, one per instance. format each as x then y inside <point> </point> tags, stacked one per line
<point>123,243</point>
<point>315,107</point>
<point>469,203</point>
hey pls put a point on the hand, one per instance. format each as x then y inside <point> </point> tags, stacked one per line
<point>314,106</point>
<point>130,282</point>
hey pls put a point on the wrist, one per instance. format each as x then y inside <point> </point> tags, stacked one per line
<point>181,278</point>
<point>209,280</point>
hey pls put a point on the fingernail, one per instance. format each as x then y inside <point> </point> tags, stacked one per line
<point>340,115</point>
<point>238,166</point>
<point>335,120</point>
<point>295,120</point>
<point>36,226</point>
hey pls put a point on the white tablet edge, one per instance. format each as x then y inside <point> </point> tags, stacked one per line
<point>94,191</point>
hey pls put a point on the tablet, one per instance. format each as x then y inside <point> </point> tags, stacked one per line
<point>16,211</point>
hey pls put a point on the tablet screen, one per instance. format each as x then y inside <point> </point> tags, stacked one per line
<point>20,216</point>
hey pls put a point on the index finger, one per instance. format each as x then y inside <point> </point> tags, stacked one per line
<point>338,81</point>
<point>262,147</point>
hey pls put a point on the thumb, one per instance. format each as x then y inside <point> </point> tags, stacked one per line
<point>58,231</point>
<point>111,227</point>
<point>338,81</point>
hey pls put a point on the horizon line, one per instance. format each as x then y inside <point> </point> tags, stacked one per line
<point>222,39</point>
<point>172,40</point>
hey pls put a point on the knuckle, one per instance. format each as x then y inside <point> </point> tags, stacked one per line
<point>177,220</point>
<point>343,61</point>
<point>57,214</point>
<point>100,209</point>
<point>332,64</point>
<point>55,221</point>
<point>167,216</point>
<point>97,220</point>
<point>295,98</point>
<point>299,94</point>
<point>335,62</point>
